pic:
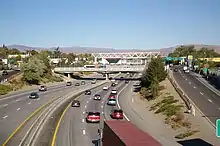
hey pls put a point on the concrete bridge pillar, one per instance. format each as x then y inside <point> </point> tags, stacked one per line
<point>107,76</point>
<point>68,75</point>
<point>96,60</point>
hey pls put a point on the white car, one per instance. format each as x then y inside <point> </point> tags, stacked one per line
<point>111,101</point>
<point>105,88</point>
<point>187,71</point>
<point>114,91</point>
<point>113,80</point>
<point>97,97</point>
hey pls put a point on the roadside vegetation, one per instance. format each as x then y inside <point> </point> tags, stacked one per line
<point>162,102</point>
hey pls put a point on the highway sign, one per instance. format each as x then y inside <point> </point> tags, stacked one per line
<point>218,127</point>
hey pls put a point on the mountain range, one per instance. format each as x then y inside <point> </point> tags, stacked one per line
<point>78,49</point>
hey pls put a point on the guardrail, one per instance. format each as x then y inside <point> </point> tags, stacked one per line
<point>179,90</point>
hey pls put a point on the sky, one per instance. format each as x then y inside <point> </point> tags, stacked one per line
<point>119,24</point>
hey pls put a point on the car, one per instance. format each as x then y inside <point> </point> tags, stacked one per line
<point>34,95</point>
<point>112,80</point>
<point>116,83</point>
<point>83,83</point>
<point>105,88</point>
<point>128,73</point>
<point>88,92</point>
<point>187,71</point>
<point>97,97</point>
<point>77,84</point>
<point>93,82</point>
<point>126,81</point>
<point>42,88</point>
<point>176,69</point>
<point>114,91</point>
<point>113,84</point>
<point>69,83</point>
<point>4,73</point>
<point>75,103</point>
<point>112,96</point>
<point>117,114</point>
<point>93,117</point>
<point>111,102</point>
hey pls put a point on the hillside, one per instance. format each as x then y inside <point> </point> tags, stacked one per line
<point>79,50</point>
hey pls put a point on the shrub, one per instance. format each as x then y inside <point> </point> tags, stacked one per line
<point>186,134</point>
<point>4,89</point>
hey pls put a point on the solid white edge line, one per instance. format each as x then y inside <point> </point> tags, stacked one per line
<point>18,109</point>
<point>209,100</point>
<point>118,101</point>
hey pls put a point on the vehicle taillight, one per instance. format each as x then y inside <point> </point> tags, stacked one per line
<point>94,117</point>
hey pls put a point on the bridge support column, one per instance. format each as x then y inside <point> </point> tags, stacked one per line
<point>96,60</point>
<point>68,75</point>
<point>107,76</point>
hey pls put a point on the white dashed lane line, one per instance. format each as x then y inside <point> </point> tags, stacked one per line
<point>132,100</point>
<point>194,87</point>
<point>5,105</point>
<point>84,112</point>
<point>29,102</point>
<point>18,109</point>
<point>85,106</point>
<point>102,106</point>
<point>189,82</point>
<point>5,116</point>
<point>209,100</point>
<point>201,93</point>
<point>17,100</point>
<point>87,101</point>
<point>83,120</point>
<point>84,132</point>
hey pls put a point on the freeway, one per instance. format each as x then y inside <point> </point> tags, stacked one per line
<point>10,73</point>
<point>74,130</point>
<point>16,108</point>
<point>206,100</point>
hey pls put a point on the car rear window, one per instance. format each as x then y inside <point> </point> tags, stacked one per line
<point>94,113</point>
<point>32,94</point>
<point>118,111</point>
<point>111,99</point>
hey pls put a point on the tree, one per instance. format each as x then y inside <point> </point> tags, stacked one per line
<point>44,57</point>
<point>14,51</point>
<point>154,70</point>
<point>57,52</point>
<point>154,86</point>
<point>33,52</point>
<point>33,70</point>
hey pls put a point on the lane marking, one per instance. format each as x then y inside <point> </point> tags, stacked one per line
<point>189,82</point>
<point>38,99</point>
<point>5,116</point>
<point>102,112</point>
<point>84,112</point>
<point>194,87</point>
<point>90,98</point>
<point>132,100</point>
<point>29,102</point>
<point>27,119</point>
<point>117,101</point>
<point>5,105</point>
<point>17,100</point>
<point>87,101</point>
<point>83,120</point>
<point>58,125</point>
<point>102,106</point>
<point>84,132</point>
<point>201,93</point>
<point>209,100</point>
<point>85,106</point>
<point>18,109</point>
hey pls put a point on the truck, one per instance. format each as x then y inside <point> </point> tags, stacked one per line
<point>124,133</point>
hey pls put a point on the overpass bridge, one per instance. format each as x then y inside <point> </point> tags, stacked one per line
<point>107,70</point>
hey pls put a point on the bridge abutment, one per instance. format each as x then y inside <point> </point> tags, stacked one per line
<point>106,76</point>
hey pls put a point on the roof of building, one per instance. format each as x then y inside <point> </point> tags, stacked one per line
<point>131,135</point>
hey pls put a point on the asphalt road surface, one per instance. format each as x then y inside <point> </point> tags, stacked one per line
<point>10,73</point>
<point>16,108</point>
<point>73,130</point>
<point>206,100</point>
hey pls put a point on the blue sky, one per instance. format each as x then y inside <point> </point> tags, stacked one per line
<point>121,24</point>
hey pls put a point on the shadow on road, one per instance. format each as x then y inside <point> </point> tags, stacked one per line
<point>194,142</point>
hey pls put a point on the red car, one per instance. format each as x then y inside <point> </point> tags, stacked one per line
<point>117,114</point>
<point>112,96</point>
<point>93,117</point>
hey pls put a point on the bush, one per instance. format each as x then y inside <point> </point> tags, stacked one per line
<point>186,134</point>
<point>4,89</point>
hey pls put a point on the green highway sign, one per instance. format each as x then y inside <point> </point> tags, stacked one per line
<point>218,127</point>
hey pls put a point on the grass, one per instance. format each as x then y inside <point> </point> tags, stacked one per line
<point>186,134</point>
<point>87,73</point>
<point>4,89</point>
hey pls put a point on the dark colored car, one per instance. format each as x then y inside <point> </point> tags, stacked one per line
<point>75,103</point>
<point>34,95</point>
<point>117,114</point>
<point>88,92</point>
<point>83,83</point>
<point>77,84</point>
<point>176,69</point>
<point>113,84</point>
<point>69,83</point>
<point>126,81</point>
<point>42,88</point>
<point>93,117</point>
<point>97,97</point>
<point>4,73</point>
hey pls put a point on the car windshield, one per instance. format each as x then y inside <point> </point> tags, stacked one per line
<point>97,95</point>
<point>94,113</point>
<point>87,90</point>
<point>42,86</point>
<point>111,99</point>
<point>75,101</point>
<point>33,94</point>
<point>68,82</point>
<point>118,111</point>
